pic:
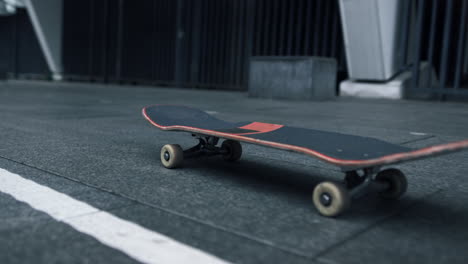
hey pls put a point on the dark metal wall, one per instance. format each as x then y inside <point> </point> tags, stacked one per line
<point>6,47</point>
<point>124,41</point>
<point>207,43</point>
<point>203,43</point>
<point>20,52</point>
<point>440,38</point>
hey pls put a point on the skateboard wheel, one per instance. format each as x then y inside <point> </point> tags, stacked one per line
<point>172,156</point>
<point>233,150</point>
<point>331,199</point>
<point>397,183</point>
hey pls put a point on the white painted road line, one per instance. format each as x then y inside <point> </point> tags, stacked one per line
<point>136,241</point>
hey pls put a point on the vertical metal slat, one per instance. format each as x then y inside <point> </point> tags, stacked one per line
<point>325,30</point>
<point>432,30</point>
<point>282,23</point>
<point>299,31</point>
<point>446,43</point>
<point>202,58</point>
<point>165,59</point>
<point>211,41</point>
<point>118,61</point>
<point>403,45</point>
<point>417,46</point>
<point>250,8</point>
<point>14,58</point>
<point>240,40</point>
<point>259,25</point>
<point>216,40</point>
<point>461,45</point>
<point>154,46</point>
<point>229,45</point>
<point>318,8</point>
<point>266,27</point>
<point>91,39</point>
<point>290,20</point>
<point>232,60</point>
<point>195,40</point>
<point>205,57</point>
<point>334,34</point>
<point>224,42</point>
<point>274,40</point>
<point>173,38</point>
<point>105,38</point>
<point>179,58</point>
<point>307,27</point>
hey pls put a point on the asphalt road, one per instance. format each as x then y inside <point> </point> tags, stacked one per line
<point>92,143</point>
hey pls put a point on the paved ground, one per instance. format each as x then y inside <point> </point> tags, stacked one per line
<point>91,142</point>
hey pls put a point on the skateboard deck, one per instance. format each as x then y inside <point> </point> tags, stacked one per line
<point>349,152</point>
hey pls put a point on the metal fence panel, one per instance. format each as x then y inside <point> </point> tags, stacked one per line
<point>441,41</point>
<point>204,43</point>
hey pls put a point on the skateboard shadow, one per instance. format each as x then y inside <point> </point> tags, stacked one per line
<point>428,216</point>
<point>278,177</point>
<point>297,182</point>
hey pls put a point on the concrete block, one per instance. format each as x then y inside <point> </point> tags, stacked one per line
<point>398,87</point>
<point>298,78</point>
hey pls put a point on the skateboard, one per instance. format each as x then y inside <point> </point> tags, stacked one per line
<point>360,158</point>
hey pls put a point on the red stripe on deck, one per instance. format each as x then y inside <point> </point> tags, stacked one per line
<point>261,127</point>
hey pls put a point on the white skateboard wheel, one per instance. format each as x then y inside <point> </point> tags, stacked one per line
<point>172,156</point>
<point>331,199</point>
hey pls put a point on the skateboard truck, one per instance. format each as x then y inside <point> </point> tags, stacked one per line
<point>332,198</point>
<point>172,155</point>
<point>206,146</point>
